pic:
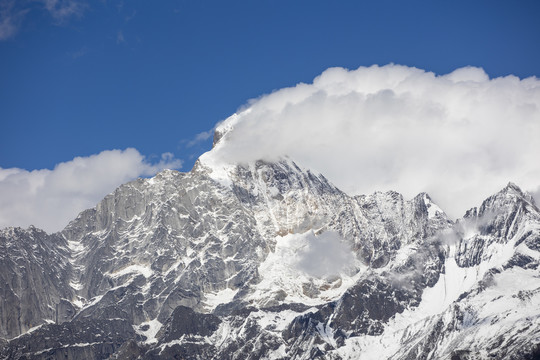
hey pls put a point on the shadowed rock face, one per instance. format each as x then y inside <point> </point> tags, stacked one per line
<point>186,265</point>
<point>78,339</point>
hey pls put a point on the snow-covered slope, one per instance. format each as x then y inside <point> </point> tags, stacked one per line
<point>486,304</point>
<point>270,260</point>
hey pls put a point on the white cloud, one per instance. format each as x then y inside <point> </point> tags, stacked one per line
<point>12,13</point>
<point>325,255</point>
<point>49,199</point>
<point>460,136</point>
<point>10,19</point>
<point>79,53</point>
<point>200,137</point>
<point>120,37</point>
<point>62,10</point>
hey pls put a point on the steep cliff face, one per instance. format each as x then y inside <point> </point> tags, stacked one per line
<point>35,277</point>
<point>163,242</point>
<point>269,260</point>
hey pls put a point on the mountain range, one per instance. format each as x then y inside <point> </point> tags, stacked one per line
<point>269,260</point>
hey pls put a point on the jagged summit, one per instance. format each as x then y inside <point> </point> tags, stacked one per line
<point>226,126</point>
<point>512,186</point>
<point>513,189</point>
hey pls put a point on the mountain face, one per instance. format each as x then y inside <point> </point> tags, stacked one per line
<point>33,286</point>
<point>271,261</point>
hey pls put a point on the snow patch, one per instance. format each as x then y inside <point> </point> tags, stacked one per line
<point>76,285</point>
<point>78,302</point>
<point>34,328</point>
<point>221,297</point>
<point>150,333</point>
<point>432,208</point>
<point>146,271</point>
<point>76,247</point>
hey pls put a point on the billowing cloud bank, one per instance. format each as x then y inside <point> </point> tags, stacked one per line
<point>460,136</point>
<point>49,199</point>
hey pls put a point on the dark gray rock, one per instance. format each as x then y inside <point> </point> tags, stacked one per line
<point>79,339</point>
<point>185,321</point>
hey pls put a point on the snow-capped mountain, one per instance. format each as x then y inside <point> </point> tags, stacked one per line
<point>268,260</point>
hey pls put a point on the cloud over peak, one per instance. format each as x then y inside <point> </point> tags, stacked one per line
<point>459,136</point>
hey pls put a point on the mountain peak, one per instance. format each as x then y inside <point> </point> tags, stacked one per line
<point>509,195</point>
<point>512,187</point>
<point>513,193</point>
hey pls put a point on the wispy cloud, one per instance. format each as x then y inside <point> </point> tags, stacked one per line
<point>49,199</point>
<point>200,137</point>
<point>12,13</point>
<point>120,37</point>
<point>130,16</point>
<point>79,53</point>
<point>11,18</point>
<point>63,10</point>
<point>8,28</point>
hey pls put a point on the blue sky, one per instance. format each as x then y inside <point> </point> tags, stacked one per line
<point>153,74</point>
<point>96,93</point>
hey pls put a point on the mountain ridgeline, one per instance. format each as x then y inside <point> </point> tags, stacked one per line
<point>272,261</point>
